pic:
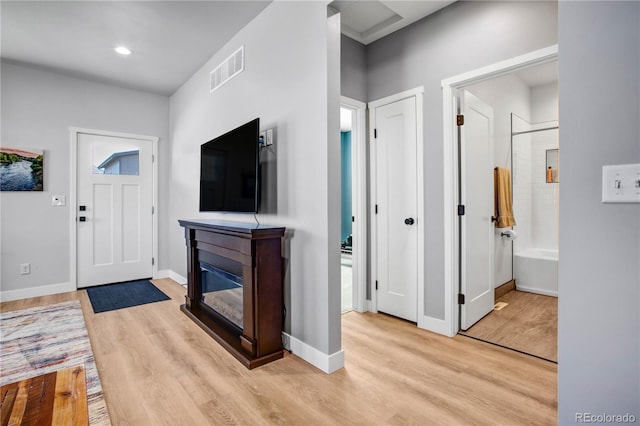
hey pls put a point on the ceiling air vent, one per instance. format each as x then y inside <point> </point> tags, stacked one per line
<point>228,69</point>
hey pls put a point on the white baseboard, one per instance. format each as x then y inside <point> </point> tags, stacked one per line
<point>325,362</point>
<point>368,306</point>
<point>537,290</point>
<point>45,290</point>
<point>168,273</point>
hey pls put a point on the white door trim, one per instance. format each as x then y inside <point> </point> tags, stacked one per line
<point>73,207</point>
<point>359,206</point>
<point>450,325</point>
<point>418,93</point>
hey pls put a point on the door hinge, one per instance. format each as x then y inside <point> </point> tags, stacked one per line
<point>461,210</point>
<point>153,158</point>
<point>153,260</point>
<point>460,299</point>
<point>376,209</point>
<point>376,284</point>
<point>353,218</point>
<point>375,133</point>
<point>153,210</point>
<point>460,120</point>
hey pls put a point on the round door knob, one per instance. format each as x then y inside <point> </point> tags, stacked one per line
<point>409,221</point>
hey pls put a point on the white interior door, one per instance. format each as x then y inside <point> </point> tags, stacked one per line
<point>395,197</point>
<point>114,209</point>
<point>476,193</point>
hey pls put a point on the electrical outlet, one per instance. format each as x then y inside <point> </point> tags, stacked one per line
<point>58,200</point>
<point>25,268</point>
<point>267,137</point>
<point>269,140</point>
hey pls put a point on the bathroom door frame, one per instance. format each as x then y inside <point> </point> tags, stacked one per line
<point>451,323</point>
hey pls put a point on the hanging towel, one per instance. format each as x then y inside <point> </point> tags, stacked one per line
<point>503,210</point>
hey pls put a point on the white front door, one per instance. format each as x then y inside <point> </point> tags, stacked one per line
<point>114,209</point>
<point>395,215</point>
<point>476,194</point>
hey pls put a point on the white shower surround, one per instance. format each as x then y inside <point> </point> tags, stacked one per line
<point>535,201</point>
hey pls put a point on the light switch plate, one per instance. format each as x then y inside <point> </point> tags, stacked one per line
<point>621,183</point>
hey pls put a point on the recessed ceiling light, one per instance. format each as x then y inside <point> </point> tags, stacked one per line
<point>123,50</point>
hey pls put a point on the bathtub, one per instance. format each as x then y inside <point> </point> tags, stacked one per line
<point>536,271</point>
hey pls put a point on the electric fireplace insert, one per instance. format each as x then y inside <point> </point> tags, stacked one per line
<point>234,286</point>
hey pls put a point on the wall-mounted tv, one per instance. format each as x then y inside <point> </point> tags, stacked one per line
<point>229,171</point>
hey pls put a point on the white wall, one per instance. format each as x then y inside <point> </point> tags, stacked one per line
<point>37,109</point>
<point>522,185</point>
<point>456,39</point>
<point>545,196</point>
<point>535,200</point>
<point>505,94</point>
<point>291,81</point>
<point>599,273</point>
<point>544,103</point>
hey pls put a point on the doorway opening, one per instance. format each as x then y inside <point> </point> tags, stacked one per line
<point>519,254</point>
<point>346,215</point>
<point>525,312</point>
<point>353,183</point>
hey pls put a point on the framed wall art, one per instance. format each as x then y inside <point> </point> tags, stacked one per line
<point>21,169</point>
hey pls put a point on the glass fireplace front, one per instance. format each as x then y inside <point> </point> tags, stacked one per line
<point>222,291</point>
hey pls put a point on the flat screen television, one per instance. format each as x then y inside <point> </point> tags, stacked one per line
<point>229,171</point>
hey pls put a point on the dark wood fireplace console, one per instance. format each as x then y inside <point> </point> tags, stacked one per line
<point>251,327</point>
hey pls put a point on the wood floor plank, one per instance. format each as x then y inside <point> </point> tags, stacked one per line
<point>19,406</point>
<point>70,403</point>
<point>8,398</point>
<point>158,367</point>
<point>40,403</point>
<point>529,323</point>
<point>56,398</point>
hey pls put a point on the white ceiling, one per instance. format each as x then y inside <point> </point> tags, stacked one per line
<point>367,20</point>
<point>170,39</point>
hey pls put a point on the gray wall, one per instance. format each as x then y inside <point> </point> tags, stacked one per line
<point>353,69</point>
<point>458,38</point>
<point>293,90</point>
<point>599,276</point>
<point>37,109</point>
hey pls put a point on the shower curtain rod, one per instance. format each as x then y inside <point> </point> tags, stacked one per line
<point>534,131</point>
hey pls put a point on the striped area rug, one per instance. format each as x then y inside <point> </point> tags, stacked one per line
<point>45,339</point>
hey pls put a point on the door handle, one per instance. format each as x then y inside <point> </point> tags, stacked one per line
<point>409,221</point>
<point>82,219</point>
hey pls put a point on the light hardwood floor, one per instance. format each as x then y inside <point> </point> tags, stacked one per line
<point>529,323</point>
<point>158,367</point>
